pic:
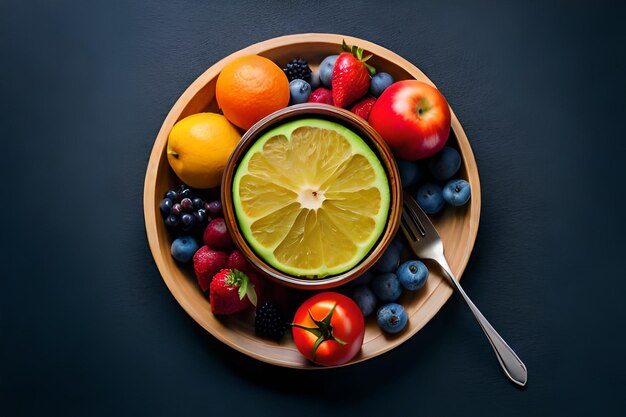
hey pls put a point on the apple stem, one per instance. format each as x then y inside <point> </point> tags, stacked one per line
<point>422,107</point>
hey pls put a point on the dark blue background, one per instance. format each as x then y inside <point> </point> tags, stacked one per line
<point>87,326</point>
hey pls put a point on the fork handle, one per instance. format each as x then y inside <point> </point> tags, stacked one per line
<point>513,367</point>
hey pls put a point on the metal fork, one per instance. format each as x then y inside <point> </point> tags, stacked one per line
<point>426,243</point>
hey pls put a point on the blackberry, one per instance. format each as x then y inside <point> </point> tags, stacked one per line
<point>297,69</point>
<point>269,322</point>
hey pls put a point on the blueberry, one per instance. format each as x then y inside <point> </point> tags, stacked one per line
<point>201,216</point>
<point>399,242</point>
<point>176,209</point>
<point>197,203</point>
<point>172,220</point>
<point>186,204</point>
<point>412,274</point>
<point>387,287</point>
<point>457,192</point>
<point>299,91</point>
<point>166,206</point>
<point>214,208</point>
<point>185,192</point>
<point>379,83</point>
<point>389,260</point>
<point>183,248</point>
<point>326,70</point>
<point>392,317</point>
<point>430,198</point>
<point>445,163</point>
<point>187,221</point>
<point>365,299</point>
<point>171,195</point>
<point>409,172</point>
<point>364,279</point>
<point>315,80</point>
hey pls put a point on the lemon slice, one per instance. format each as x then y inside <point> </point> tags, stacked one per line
<point>311,198</point>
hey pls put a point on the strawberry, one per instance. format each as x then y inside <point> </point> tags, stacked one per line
<point>363,107</point>
<point>351,76</point>
<point>216,235</point>
<point>206,263</point>
<point>231,291</point>
<point>321,95</point>
<point>236,260</point>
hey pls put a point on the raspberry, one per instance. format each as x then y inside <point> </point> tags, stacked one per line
<point>363,107</point>
<point>236,260</point>
<point>321,95</point>
<point>216,234</point>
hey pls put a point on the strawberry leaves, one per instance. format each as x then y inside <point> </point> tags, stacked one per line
<point>357,52</point>
<point>231,291</point>
<point>237,278</point>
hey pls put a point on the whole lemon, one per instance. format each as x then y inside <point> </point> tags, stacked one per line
<point>199,146</point>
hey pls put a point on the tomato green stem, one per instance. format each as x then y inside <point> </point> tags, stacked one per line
<point>323,331</point>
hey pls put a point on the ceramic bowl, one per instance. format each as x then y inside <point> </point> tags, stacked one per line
<point>359,126</point>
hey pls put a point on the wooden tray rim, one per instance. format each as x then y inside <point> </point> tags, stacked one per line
<point>440,294</point>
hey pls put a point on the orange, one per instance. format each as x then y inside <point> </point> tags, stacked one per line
<point>249,88</point>
<point>199,146</point>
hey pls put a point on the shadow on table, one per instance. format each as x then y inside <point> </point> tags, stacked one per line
<point>344,384</point>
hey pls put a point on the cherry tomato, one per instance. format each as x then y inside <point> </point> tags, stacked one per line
<point>328,328</point>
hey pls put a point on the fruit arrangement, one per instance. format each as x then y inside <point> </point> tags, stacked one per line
<point>411,116</point>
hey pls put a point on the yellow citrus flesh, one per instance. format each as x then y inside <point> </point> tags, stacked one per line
<point>311,198</point>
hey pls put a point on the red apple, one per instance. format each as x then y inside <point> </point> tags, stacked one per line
<point>413,118</point>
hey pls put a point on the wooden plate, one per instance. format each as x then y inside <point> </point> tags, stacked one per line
<point>458,226</point>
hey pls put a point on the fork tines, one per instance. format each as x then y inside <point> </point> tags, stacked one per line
<point>417,218</point>
<point>411,224</point>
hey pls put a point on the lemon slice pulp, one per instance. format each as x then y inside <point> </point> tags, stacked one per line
<point>311,198</point>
